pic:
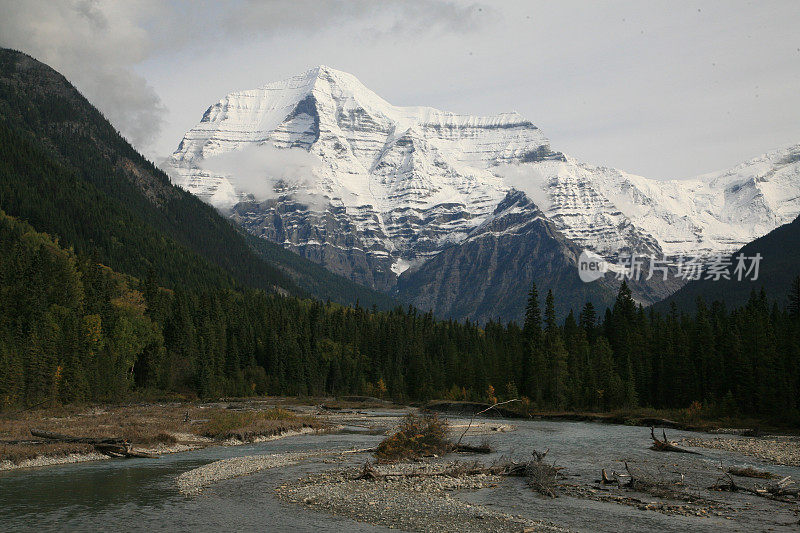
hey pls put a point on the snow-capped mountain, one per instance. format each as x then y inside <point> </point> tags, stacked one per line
<point>400,183</point>
<point>607,209</point>
<point>390,186</point>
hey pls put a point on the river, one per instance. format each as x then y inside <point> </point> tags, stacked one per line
<point>141,494</point>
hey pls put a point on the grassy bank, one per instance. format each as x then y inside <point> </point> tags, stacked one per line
<point>157,427</point>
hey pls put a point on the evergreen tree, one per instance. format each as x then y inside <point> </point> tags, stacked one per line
<point>625,306</point>
<point>533,315</point>
<point>550,313</point>
<point>588,320</point>
<point>794,299</point>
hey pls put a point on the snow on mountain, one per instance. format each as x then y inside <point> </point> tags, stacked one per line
<point>714,213</point>
<point>410,180</point>
<point>392,186</point>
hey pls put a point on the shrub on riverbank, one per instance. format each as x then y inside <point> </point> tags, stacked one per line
<point>415,437</point>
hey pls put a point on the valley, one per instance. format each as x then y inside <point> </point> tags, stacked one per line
<point>477,275</point>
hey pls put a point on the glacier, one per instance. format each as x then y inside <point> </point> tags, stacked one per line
<point>393,186</point>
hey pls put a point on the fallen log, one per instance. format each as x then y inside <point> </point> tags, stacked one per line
<point>750,472</point>
<point>110,446</point>
<point>369,473</point>
<point>541,477</point>
<point>469,448</point>
<point>665,445</point>
<point>778,491</point>
<point>126,451</point>
<point>76,440</point>
<point>510,468</point>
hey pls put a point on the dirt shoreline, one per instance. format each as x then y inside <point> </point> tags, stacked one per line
<point>53,460</point>
<point>155,429</point>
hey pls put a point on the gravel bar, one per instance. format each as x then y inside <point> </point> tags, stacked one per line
<point>776,450</point>
<point>194,481</point>
<point>410,504</point>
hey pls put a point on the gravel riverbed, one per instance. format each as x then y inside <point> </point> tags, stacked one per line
<point>411,504</point>
<point>194,481</point>
<point>776,450</point>
<point>50,460</point>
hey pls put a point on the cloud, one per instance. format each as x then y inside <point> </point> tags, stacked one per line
<point>528,179</point>
<point>98,44</point>
<point>94,44</point>
<point>414,16</point>
<point>266,172</point>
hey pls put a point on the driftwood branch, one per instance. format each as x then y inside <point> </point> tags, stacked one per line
<point>480,413</point>
<point>605,480</point>
<point>665,445</point>
<point>540,476</point>
<point>778,491</point>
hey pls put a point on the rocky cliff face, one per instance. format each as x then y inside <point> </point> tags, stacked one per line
<point>488,275</point>
<point>395,189</point>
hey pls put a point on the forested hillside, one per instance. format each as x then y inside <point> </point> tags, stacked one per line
<point>73,330</point>
<point>65,170</point>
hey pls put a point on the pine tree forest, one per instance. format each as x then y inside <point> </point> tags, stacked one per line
<point>73,330</point>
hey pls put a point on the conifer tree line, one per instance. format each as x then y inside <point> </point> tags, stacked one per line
<point>72,330</point>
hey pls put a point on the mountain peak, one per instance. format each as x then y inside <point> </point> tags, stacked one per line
<point>402,183</point>
<point>318,77</point>
<point>321,70</point>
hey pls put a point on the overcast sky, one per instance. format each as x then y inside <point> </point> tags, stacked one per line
<point>663,89</point>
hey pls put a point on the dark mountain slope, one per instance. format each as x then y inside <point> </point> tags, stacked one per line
<point>316,280</point>
<point>780,265</point>
<point>487,277</point>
